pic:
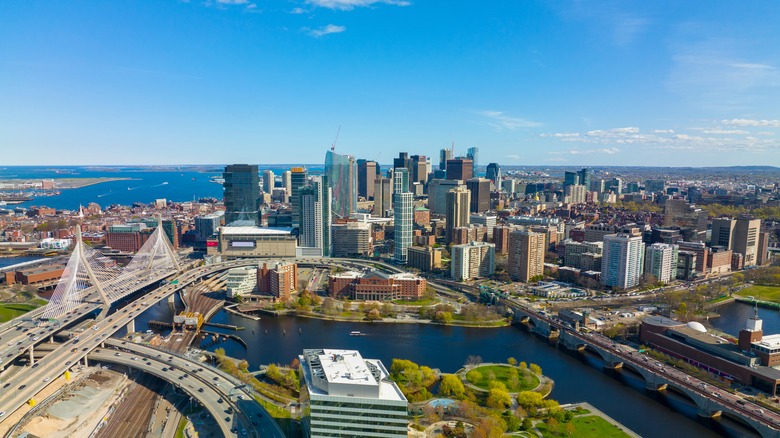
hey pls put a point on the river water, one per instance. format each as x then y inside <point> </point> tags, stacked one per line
<point>578,377</point>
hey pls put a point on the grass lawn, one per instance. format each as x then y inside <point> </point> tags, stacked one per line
<point>527,381</point>
<point>415,302</point>
<point>587,427</point>
<point>11,311</point>
<point>763,293</point>
<point>719,299</point>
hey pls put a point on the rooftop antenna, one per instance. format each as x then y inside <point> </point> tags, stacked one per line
<point>333,146</point>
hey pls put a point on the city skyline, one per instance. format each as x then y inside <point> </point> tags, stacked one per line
<point>572,83</point>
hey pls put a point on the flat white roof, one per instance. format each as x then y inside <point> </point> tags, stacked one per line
<point>346,366</point>
<point>253,231</point>
<point>770,341</point>
<point>347,373</point>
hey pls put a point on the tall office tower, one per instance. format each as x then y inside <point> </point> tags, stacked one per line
<point>493,173</point>
<point>342,174</point>
<point>583,176</point>
<point>480,194</point>
<point>597,185</point>
<point>745,241</point>
<point>472,260</point>
<point>346,395</point>
<point>242,193</point>
<point>315,216</point>
<point>287,181</point>
<point>526,255</point>
<point>575,194</point>
<point>722,231</point>
<point>206,226</point>
<point>615,185</point>
<point>383,193</point>
<point>694,195</point>
<point>298,178</point>
<point>655,186</point>
<point>460,168</point>
<point>762,254</point>
<point>367,172</point>
<point>473,155</point>
<point>661,261</point>
<point>444,156</point>
<point>623,260</point>
<point>268,181</point>
<point>419,172</point>
<point>403,203</point>
<point>171,230</point>
<point>570,179</point>
<point>404,162</point>
<point>437,194</point>
<point>457,210</point>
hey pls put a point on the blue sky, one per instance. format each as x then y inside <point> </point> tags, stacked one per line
<point>693,83</point>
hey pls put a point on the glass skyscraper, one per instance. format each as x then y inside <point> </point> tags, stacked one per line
<point>341,171</point>
<point>242,194</point>
<point>403,203</point>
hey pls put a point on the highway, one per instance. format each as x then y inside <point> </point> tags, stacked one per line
<point>30,382</point>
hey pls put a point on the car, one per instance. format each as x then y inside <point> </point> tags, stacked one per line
<point>22,387</point>
<point>165,369</point>
<point>216,378</point>
<point>36,338</point>
<point>68,363</point>
<point>47,379</point>
<point>227,419</point>
<point>133,358</point>
<point>219,400</point>
<point>243,432</point>
<point>2,413</point>
<point>200,389</point>
<point>117,354</point>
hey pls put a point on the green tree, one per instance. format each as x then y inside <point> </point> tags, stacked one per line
<point>498,399</point>
<point>529,400</point>
<point>536,369</point>
<point>512,361</point>
<point>527,424</point>
<point>451,385</point>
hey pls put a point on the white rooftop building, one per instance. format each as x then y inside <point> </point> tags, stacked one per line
<point>350,396</point>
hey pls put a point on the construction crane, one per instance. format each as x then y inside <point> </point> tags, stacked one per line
<point>333,146</point>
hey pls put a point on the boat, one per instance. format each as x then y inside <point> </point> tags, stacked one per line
<point>355,333</point>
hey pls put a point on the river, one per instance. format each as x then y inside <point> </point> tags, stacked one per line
<point>578,377</point>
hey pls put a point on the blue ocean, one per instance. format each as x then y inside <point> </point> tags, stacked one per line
<point>145,184</point>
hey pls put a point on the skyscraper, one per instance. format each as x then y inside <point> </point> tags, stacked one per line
<point>444,156</point>
<point>298,179</point>
<point>419,169</point>
<point>437,194</point>
<point>341,171</point>
<point>473,155</point>
<point>268,181</point>
<point>722,231</point>
<point>367,172</point>
<point>661,261</point>
<point>493,173</point>
<point>402,214</point>
<point>383,194</point>
<point>623,260</point>
<point>457,210</point>
<point>315,215</point>
<point>570,179</point>
<point>526,255</point>
<point>404,162</point>
<point>480,194</point>
<point>745,242</point>
<point>287,184</point>
<point>460,168</point>
<point>584,178</point>
<point>242,193</point>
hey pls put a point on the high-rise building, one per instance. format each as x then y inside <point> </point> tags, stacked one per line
<point>383,193</point>
<point>346,395</point>
<point>493,173</point>
<point>526,255</point>
<point>171,231</point>
<point>419,173</point>
<point>287,183</point>
<point>298,178</point>
<point>315,216</point>
<point>661,261</point>
<point>403,203</point>
<point>268,181</point>
<point>745,241</point>
<point>457,210</point>
<point>437,194</point>
<point>501,239</point>
<point>575,194</point>
<point>583,176</point>
<point>460,168</point>
<point>444,156</point>
<point>762,254</point>
<point>367,173</point>
<point>488,220</point>
<point>472,260</point>
<point>480,194</point>
<point>352,239</point>
<point>342,174</point>
<point>242,194</point>
<point>473,155</point>
<point>623,260</point>
<point>206,226</point>
<point>570,178</point>
<point>404,162</point>
<point>655,186</point>
<point>722,232</point>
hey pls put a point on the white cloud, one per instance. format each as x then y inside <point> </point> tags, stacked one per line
<point>725,131</point>
<point>346,5</point>
<point>298,11</point>
<point>607,151</point>
<point>233,2</point>
<point>612,132</point>
<point>663,131</point>
<point>500,121</point>
<point>562,135</point>
<point>749,122</point>
<point>325,30</point>
<point>513,156</point>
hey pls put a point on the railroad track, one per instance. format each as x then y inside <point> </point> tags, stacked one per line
<point>132,416</point>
